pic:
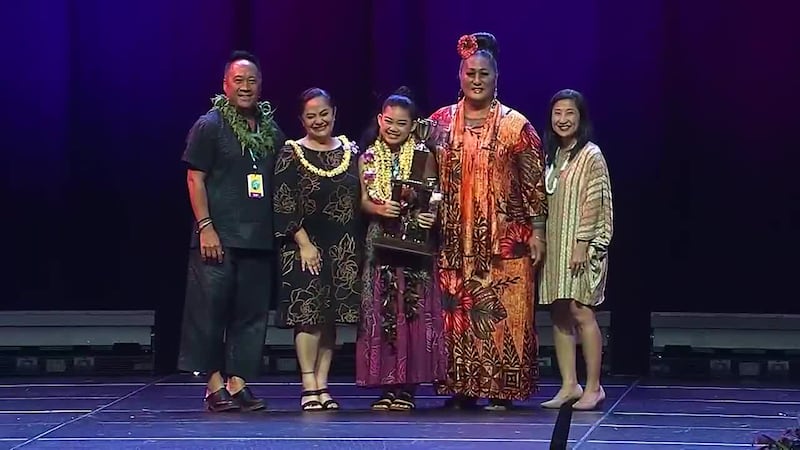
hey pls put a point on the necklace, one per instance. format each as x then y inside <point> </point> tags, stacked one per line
<point>550,186</point>
<point>338,170</point>
<point>259,143</point>
<point>480,119</point>
<point>380,167</point>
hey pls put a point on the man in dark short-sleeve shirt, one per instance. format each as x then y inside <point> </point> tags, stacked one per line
<point>231,271</point>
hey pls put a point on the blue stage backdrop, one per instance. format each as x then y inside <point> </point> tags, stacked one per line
<point>695,105</point>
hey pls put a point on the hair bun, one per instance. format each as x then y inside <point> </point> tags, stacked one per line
<point>487,42</point>
<point>405,91</point>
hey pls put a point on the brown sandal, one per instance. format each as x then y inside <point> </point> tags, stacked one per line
<point>385,402</point>
<point>403,402</point>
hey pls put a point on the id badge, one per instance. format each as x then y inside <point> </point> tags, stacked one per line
<point>255,185</point>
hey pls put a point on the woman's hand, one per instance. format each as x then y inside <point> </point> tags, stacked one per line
<point>426,220</point>
<point>538,248</point>
<point>310,259</point>
<point>579,259</point>
<point>389,209</point>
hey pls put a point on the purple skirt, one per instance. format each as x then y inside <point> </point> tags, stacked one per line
<point>400,336</point>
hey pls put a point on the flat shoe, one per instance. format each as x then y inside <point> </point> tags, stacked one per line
<point>403,402</point>
<point>383,403</point>
<point>220,401</point>
<point>246,401</point>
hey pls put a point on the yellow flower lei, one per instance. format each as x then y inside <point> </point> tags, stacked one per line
<point>378,167</point>
<point>340,169</point>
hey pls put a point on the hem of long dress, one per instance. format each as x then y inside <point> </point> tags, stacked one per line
<point>500,395</point>
<point>290,325</point>
<point>373,385</point>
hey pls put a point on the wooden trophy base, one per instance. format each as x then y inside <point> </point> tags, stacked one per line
<point>403,246</point>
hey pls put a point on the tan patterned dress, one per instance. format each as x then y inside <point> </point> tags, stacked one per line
<point>327,209</point>
<point>493,192</point>
<point>580,209</point>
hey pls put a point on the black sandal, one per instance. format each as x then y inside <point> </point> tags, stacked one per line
<point>328,404</point>
<point>311,405</point>
<point>496,404</point>
<point>385,402</point>
<point>403,402</point>
<point>461,402</point>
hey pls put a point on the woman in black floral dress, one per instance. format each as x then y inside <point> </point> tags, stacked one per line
<point>316,197</point>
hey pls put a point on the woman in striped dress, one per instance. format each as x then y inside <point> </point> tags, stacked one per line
<point>579,230</point>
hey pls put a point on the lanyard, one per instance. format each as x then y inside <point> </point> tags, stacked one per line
<point>253,157</point>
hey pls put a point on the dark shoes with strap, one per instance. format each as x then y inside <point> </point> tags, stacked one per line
<point>222,400</point>
<point>384,402</point>
<point>461,402</point>
<point>316,405</point>
<point>329,404</point>
<point>403,402</point>
<point>310,405</point>
<point>389,401</point>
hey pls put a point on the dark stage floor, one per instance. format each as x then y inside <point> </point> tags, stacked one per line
<point>167,413</point>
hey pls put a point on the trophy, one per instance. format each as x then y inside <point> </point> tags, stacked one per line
<point>418,194</point>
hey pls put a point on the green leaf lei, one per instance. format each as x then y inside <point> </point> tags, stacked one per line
<point>261,142</point>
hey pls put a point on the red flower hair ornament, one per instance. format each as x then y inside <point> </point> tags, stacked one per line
<point>467,46</point>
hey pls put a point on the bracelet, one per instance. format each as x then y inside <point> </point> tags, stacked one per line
<point>203,223</point>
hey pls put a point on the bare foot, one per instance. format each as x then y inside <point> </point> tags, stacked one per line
<point>235,384</point>
<point>215,383</point>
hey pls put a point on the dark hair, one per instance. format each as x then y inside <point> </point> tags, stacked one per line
<point>312,93</point>
<point>402,98</point>
<point>584,133</point>
<point>239,55</point>
<point>487,46</point>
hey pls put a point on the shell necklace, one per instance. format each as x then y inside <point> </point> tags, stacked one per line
<point>550,179</point>
<point>340,169</point>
